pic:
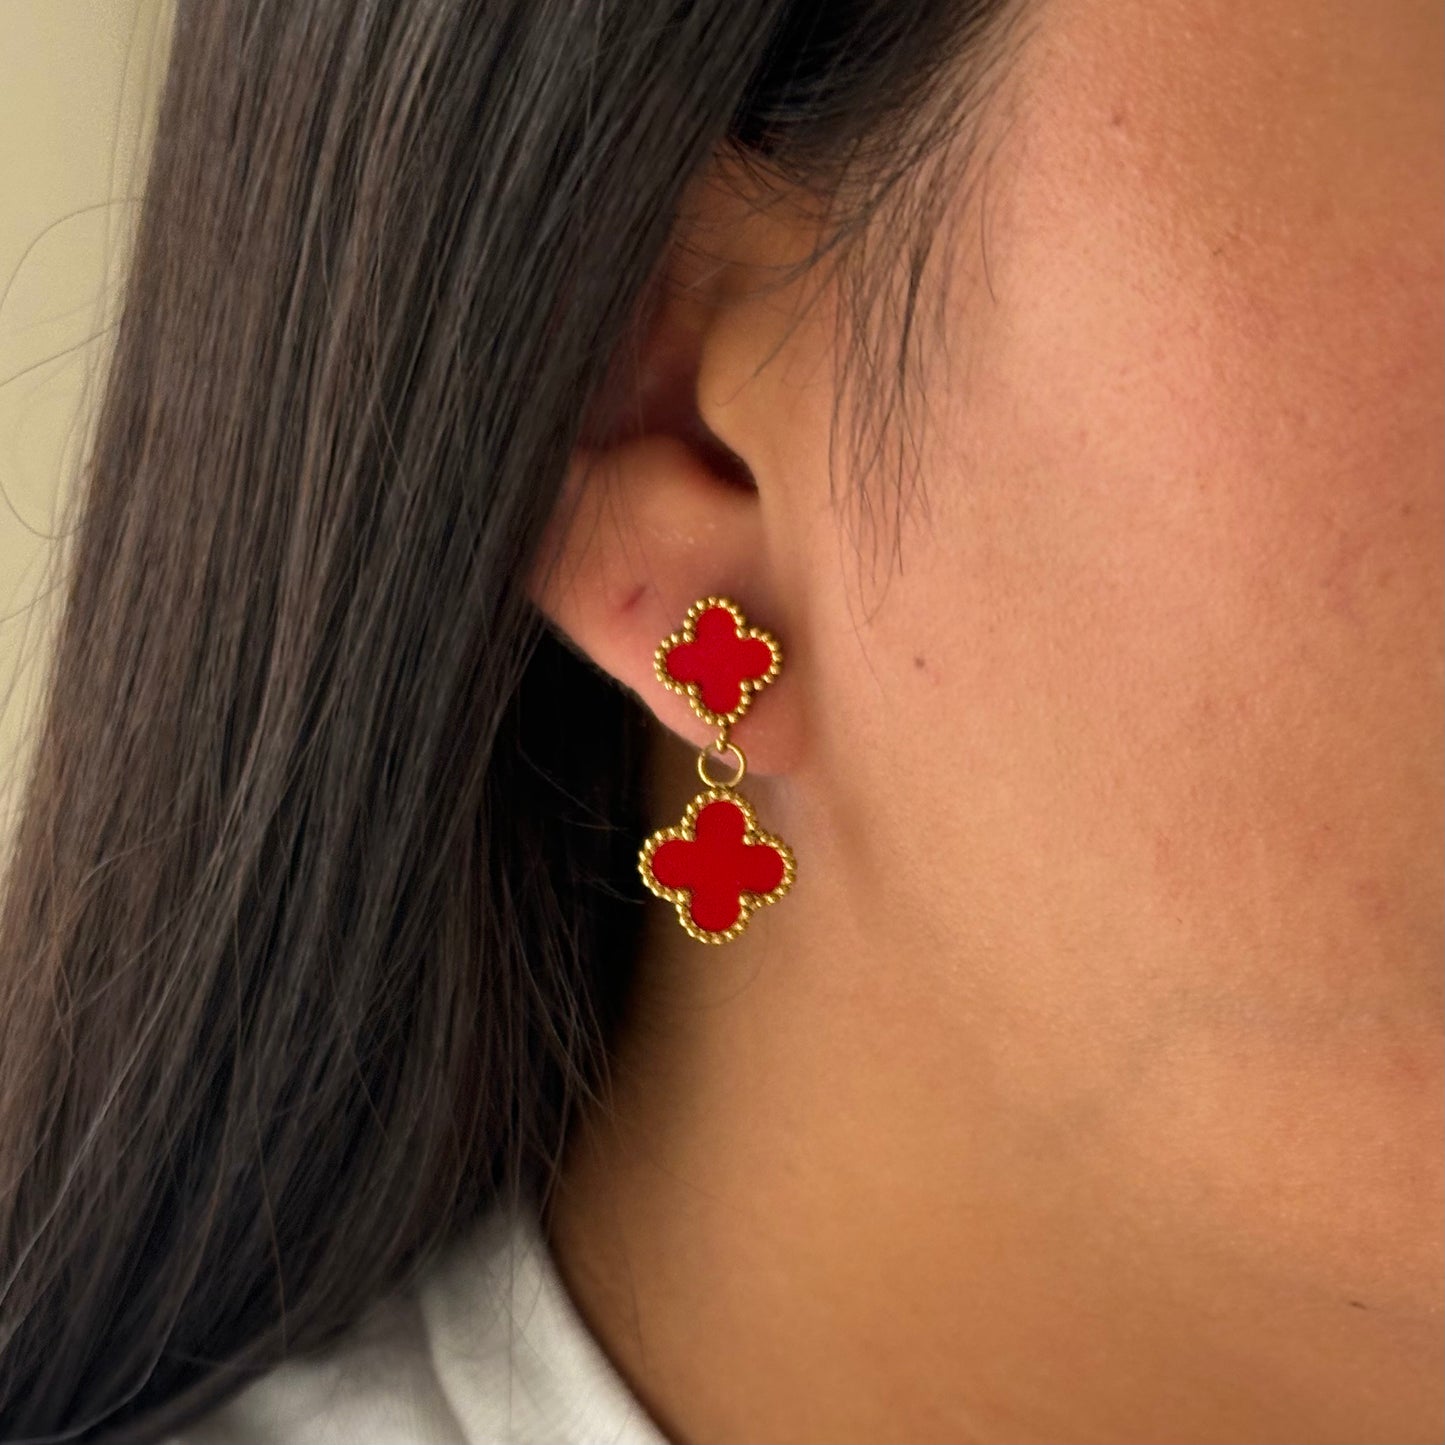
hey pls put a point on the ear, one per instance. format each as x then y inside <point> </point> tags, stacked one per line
<point>659,510</point>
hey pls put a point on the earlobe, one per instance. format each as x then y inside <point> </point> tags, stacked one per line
<point>645,530</point>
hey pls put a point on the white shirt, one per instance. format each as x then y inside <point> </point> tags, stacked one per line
<point>486,1348</point>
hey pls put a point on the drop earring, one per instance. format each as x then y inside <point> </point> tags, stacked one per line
<point>717,867</point>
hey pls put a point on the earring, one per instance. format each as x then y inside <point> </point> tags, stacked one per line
<point>717,866</point>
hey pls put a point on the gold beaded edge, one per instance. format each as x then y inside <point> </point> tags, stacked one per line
<point>681,898</point>
<point>693,691</point>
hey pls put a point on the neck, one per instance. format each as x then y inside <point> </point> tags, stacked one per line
<point>817,1207</point>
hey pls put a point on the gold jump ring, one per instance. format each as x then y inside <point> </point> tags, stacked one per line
<point>714,750</point>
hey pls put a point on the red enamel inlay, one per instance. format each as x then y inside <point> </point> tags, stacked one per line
<point>717,865</point>
<point>718,660</point>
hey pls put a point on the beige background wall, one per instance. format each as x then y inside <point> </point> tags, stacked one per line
<point>77,84</point>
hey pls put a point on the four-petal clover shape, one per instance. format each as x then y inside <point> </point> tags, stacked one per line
<point>717,866</point>
<point>717,661</point>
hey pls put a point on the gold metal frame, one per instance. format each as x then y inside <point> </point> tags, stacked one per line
<point>681,898</point>
<point>691,690</point>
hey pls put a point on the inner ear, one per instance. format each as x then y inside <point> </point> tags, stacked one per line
<point>651,385</point>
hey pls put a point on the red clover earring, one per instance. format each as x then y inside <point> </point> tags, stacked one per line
<point>717,866</point>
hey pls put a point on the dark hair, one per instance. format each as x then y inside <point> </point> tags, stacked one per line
<point>319,921</point>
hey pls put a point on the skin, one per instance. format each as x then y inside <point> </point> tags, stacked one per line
<point>1087,1086</point>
